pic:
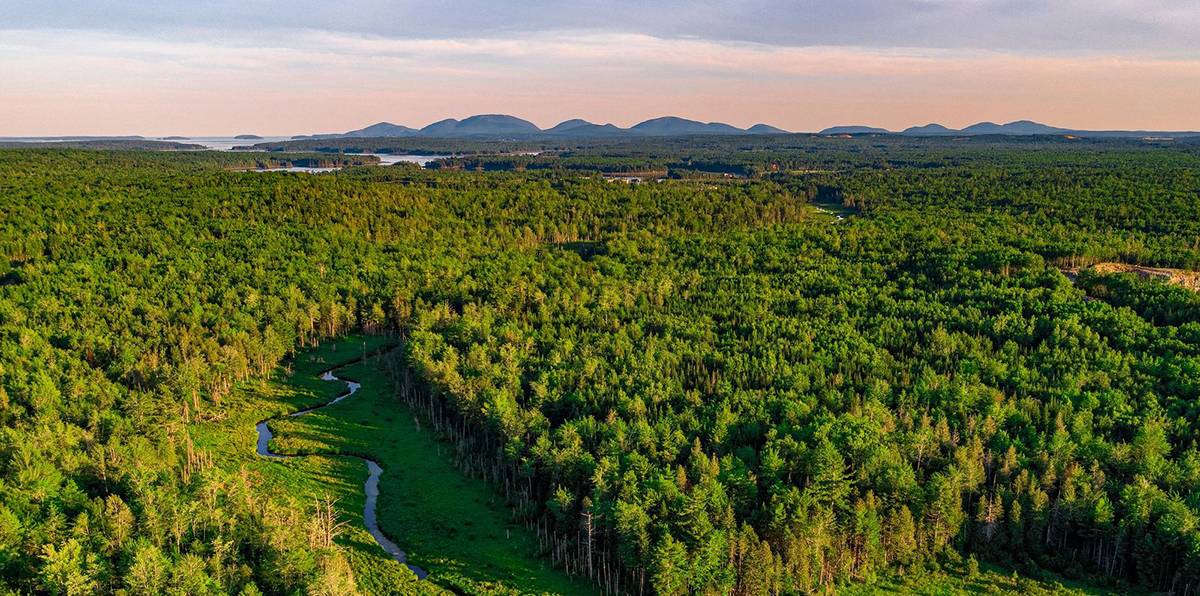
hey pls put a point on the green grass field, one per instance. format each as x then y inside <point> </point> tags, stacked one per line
<point>452,526</point>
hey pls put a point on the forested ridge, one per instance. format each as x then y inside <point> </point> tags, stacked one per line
<point>685,387</point>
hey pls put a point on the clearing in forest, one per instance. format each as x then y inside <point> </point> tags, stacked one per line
<point>1180,277</point>
<point>453,526</point>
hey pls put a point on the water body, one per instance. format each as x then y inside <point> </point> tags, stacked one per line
<point>370,487</point>
<point>387,159</point>
<point>222,143</point>
<point>297,169</point>
<point>228,144</point>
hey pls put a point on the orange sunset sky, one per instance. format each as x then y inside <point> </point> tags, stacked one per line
<point>270,68</point>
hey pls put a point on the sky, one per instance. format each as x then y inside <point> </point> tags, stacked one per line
<point>270,67</point>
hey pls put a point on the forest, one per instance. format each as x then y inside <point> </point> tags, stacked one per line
<point>853,362</point>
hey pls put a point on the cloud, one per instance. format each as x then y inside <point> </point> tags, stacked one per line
<point>1034,26</point>
<point>310,80</point>
<point>281,53</point>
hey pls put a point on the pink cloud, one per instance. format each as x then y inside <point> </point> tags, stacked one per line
<point>313,81</point>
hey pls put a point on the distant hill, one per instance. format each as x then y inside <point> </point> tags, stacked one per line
<point>248,138</point>
<point>929,130</point>
<point>568,125</point>
<point>582,128</point>
<point>441,128</point>
<point>765,129</point>
<point>482,125</point>
<point>854,130</point>
<point>982,128</point>
<point>675,126</point>
<point>1020,127</point>
<point>377,130</point>
<point>383,129</point>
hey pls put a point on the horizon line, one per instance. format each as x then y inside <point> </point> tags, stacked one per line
<point>1000,122</point>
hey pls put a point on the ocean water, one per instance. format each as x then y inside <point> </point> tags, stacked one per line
<point>228,144</point>
<point>221,143</point>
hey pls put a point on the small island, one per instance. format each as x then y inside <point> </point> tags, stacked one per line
<point>248,138</point>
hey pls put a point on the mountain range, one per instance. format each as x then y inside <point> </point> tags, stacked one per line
<point>1017,128</point>
<point>505,126</point>
<point>1020,127</point>
<point>501,125</point>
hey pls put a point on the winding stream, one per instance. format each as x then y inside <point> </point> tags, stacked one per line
<point>370,487</point>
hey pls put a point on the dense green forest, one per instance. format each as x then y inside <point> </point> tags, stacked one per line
<point>689,386</point>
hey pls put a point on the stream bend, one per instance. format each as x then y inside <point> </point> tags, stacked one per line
<point>370,487</point>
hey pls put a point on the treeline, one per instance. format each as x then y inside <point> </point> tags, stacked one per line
<point>561,162</point>
<point>316,161</point>
<point>405,146</point>
<point>1137,207</point>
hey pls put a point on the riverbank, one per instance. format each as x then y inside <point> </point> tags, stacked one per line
<point>455,527</point>
<point>231,439</point>
<point>374,471</point>
<point>452,526</point>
